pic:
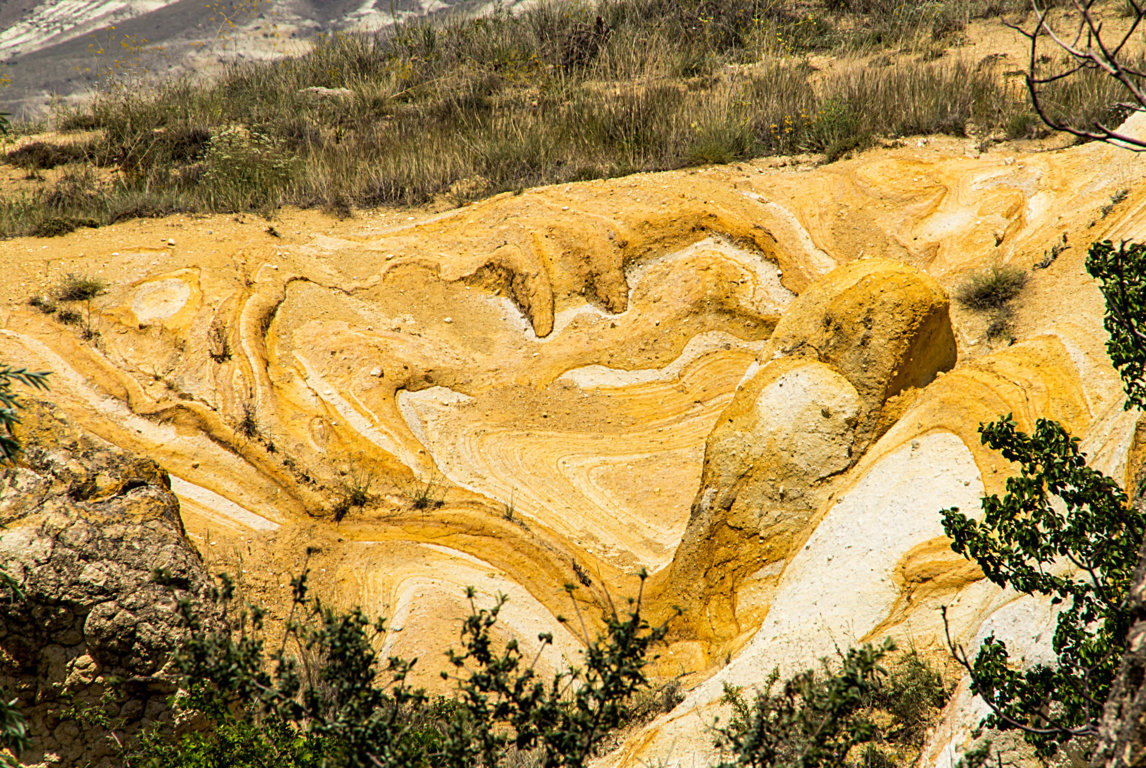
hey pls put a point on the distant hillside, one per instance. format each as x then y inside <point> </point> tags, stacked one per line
<point>68,48</point>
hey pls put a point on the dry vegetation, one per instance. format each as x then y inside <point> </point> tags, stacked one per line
<point>462,108</point>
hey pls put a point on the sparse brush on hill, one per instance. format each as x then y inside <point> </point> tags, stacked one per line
<point>465,107</point>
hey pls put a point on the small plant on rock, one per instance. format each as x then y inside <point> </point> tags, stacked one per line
<point>78,288</point>
<point>248,425</point>
<point>218,345</point>
<point>992,289</point>
<point>427,495</point>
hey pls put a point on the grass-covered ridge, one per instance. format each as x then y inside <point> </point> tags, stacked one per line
<point>466,107</point>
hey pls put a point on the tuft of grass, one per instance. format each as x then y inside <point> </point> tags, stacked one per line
<point>581,574</point>
<point>427,495</point>
<point>650,704</point>
<point>218,345</point>
<point>42,156</point>
<point>1000,326</point>
<point>992,289</point>
<point>357,486</point>
<point>43,303</point>
<point>78,288</point>
<point>355,492</point>
<point>248,425</point>
<point>69,317</point>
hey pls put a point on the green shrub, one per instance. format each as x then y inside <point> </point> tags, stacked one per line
<point>40,155</point>
<point>912,692</point>
<point>1119,270</point>
<point>325,697</point>
<point>813,719</point>
<point>244,170</point>
<point>1058,511</point>
<point>852,714</point>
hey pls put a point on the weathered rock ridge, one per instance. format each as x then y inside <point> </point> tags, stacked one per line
<point>748,380</point>
<point>92,540</point>
<point>832,376</point>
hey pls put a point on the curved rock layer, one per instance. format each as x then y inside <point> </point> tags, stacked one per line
<point>577,382</point>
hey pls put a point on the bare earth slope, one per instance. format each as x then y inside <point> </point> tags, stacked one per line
<point>563,385</point>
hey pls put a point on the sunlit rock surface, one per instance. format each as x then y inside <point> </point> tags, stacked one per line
<point>95,561</point>
<point>748,381</point>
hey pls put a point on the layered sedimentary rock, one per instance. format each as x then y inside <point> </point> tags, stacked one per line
<point>832,376</point>
<point>96,561</point>
<point>747,380</point>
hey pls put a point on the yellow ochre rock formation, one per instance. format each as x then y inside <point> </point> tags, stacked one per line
<point>855,340</point>
<point>701,373</point>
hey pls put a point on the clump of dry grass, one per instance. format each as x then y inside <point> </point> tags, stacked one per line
<point>991,292</point>
<point>992,289</point>
<point>465,107</point>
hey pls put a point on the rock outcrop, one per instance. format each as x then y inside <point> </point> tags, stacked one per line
<point>833,376</point>
<point>666,371</point>
<point>96,560</point>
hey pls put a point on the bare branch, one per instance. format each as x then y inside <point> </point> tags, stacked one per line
<point>1080,36</point>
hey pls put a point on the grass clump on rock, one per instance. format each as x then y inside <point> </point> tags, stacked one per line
<point>992,291</point>
<point>78,288</point>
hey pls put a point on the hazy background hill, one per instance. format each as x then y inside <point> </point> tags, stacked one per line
<point>67,48</point>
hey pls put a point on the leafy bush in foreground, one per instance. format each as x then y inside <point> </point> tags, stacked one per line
<point>1066,531</point>
<point>1121,272</point>
<point>1056,512</point>
<point>831,717</point>
<point>10,403</point>
<point>323,697</point>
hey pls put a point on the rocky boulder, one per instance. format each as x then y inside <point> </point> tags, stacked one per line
<point>831,381</point>
<point>96,562</point>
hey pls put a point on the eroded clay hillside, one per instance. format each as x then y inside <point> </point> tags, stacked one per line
<point>748,380</point>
